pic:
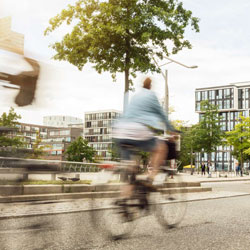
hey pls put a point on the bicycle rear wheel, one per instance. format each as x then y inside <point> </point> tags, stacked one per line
<point>169,202</point>
<point>113,219</point>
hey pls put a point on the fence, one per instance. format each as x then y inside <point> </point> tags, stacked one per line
<point>9,165</point>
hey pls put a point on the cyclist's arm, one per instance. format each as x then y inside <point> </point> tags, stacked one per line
<point>159,110</point>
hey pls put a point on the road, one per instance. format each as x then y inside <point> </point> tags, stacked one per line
<point>209,224</point>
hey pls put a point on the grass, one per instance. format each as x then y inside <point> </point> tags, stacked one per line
<point>37,182</point>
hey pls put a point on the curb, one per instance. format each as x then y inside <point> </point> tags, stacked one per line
<point>14,190</point>
<point>89,209</point>
<point>93,194</point>
<point>229,180</point>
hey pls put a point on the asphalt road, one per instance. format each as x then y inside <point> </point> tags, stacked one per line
<point>211,224</point>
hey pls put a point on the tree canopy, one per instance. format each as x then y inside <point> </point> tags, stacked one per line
<point>121,35</point>
<point>8,138</point>
<point>79,150</point>
<point>239,138</point>
<point>208,133</point>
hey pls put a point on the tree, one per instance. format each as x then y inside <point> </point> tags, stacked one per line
<point>79,150</point>
<point>38,148</point>
<point>188,146</point>
<point>208,134</point>
<point>10,121</point>
<point>121,35</point>
<point>239,138</point>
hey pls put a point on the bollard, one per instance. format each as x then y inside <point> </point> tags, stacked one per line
<point>53,177</point>
<point>25,176</point>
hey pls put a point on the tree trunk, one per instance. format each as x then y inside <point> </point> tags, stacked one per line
<point>191,161</point>
<point>127,62</point>
<point>241,163</point>
<point>126,90</point>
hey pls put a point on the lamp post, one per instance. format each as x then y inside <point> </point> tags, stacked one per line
<point>165,76</point>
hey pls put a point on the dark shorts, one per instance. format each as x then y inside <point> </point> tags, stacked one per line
<point>128,144</point>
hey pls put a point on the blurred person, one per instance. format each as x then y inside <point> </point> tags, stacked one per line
<point>237,169</point>
<point>203,169</point>
<point>138,125</point>
<point>25,81</point>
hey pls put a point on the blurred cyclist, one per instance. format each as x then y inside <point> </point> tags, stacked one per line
<point>136,128</point>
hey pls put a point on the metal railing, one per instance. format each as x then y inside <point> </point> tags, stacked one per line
<point>48,165</point>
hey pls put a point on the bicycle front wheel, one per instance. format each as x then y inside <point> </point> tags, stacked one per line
<point>169,202</point>
<point>112,219</point>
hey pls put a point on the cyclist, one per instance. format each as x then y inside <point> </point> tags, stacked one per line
<point>142,117</point>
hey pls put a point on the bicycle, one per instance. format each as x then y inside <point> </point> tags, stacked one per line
<point>116,217</point>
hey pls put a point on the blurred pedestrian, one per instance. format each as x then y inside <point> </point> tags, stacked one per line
<point>203,169</point>
<point>237,170</point>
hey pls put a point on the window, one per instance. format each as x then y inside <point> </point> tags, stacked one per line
<point>219,155</point>
<point>57,146</point>
<point>226,104</point>
<point>247,93</point>
<point>224,116</point>
<point>223,126</point>
<point>198,106</point>
<point>220,94</point>
<point>231,126</point>
<point>27,128</point>
<point>203,95</point>
<point>219,103</point>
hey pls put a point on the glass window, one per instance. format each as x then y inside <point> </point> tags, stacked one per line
<point>213,94</point>
<point>198,106</point>
<point>225,156</point>
<point>223,126</point>
<point>246,93</point>
<point>219,103</point>
<point>240,93</point>
<point>197,96</point>
<point>219,155</point>
<point>220,94</point>
<point>210,94</point>
<point>224,115</point>
<point>204,95</point>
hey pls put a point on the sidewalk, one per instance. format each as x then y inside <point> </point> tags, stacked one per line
<point>215,177</point>
<point>53,207</point>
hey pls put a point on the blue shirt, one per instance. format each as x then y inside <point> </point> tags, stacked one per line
<point>145,108</point>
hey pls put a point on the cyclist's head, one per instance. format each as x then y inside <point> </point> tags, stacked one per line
<point>147,83</point>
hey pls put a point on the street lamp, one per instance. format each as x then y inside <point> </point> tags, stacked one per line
<point>165,76</point>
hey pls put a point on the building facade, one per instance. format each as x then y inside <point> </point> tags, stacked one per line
<point>55,140</point>
<point>58,140</point>
<point>61,121</point>
<point>98,131</point>
<point>232,100</point>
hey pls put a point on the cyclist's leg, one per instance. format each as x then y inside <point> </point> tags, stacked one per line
<point>158,156</point>
<point>127,189</point>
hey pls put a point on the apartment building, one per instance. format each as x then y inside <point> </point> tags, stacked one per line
<point>58,140</point>
<point>232,100</point>
<point>98,131</point>
<point>55,139</point>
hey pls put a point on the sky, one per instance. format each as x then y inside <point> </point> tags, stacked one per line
<point>221,50</point>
